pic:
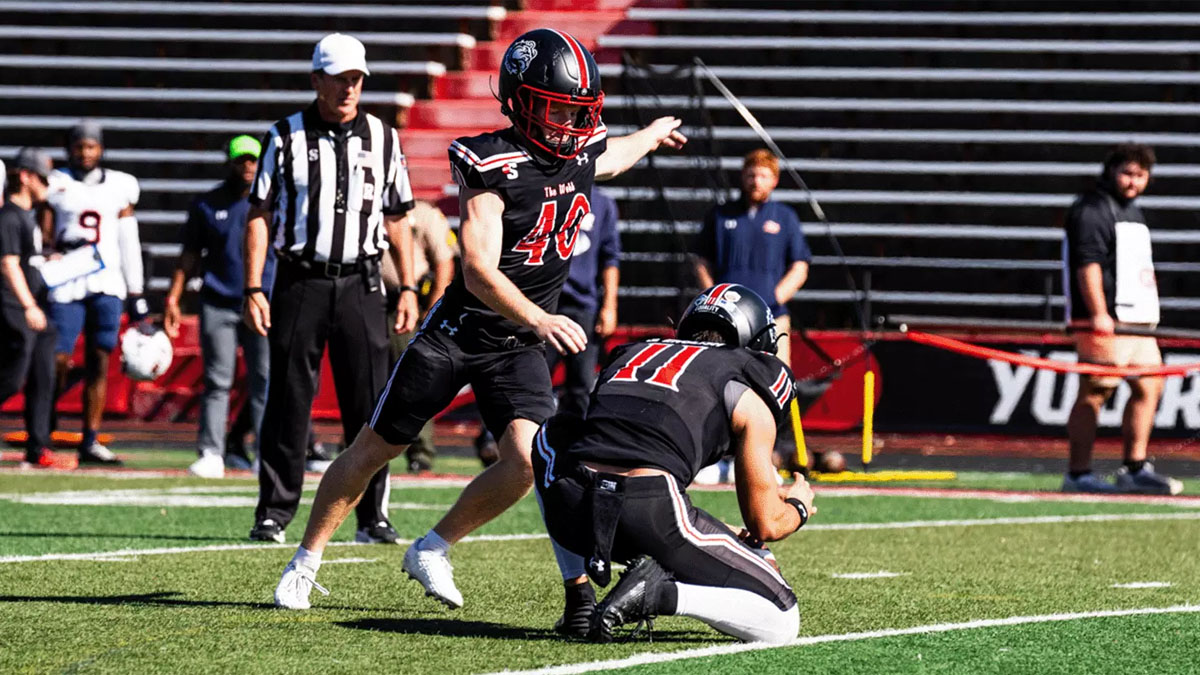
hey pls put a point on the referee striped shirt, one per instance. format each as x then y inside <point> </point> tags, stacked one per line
<point>329,186</point>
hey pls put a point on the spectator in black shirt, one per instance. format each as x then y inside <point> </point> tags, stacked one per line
<point>26,338</point>
<point>1109,277</point>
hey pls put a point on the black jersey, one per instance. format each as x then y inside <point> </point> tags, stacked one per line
<point>1091,237</point>
<point>544,206</point>
<point>667,404</point>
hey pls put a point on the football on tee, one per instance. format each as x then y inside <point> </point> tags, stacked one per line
<point>831,461</point>
<point>145,356</point>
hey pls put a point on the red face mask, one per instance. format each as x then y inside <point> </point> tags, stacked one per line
<point>564,141</point>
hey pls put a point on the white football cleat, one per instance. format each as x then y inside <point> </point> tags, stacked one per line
<point>294,586</point>
<point>433,571</point>
<point>208,466</point>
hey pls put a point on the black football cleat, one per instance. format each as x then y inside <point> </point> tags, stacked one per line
<point>634,598</point>
<point>576,618</point>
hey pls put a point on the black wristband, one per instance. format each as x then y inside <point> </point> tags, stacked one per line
<point>800,509</point>
<point>414,289</point>
<point>252,291</point>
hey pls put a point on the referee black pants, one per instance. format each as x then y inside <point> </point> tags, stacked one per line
<point>307,313</point>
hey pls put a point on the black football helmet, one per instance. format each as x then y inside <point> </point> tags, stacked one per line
<point>546,66</point>
<point>739,314</point>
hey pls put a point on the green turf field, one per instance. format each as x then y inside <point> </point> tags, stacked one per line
<point>129,574</point>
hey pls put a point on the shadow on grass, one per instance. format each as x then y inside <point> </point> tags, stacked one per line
<point>162,598</point>
<point>124,535</point>
<point>157,598</point>
<point>487,629</point>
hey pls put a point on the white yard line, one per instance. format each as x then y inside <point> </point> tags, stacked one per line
<point>216,496</point>
<point>722,650</point>
<point>349,561</point>
<point>839,527</point>
<point>1144,584</point>
<point>229,547</point>
<point>881,574</point>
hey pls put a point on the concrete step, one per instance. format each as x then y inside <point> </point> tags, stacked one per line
<point>429,173</point>
<point>452,113</point>
<point>433,143</point>
<point>468,84</point>
<point>584,26</point>
<point>600,5</point>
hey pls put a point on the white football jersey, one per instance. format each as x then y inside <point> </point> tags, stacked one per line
<point>88,212</point>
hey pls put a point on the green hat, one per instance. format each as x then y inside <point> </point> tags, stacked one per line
<point>244,145</point>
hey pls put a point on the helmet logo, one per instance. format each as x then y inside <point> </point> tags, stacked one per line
<point>519,56</point>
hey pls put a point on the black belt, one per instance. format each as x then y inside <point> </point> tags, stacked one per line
<point>328,270</point>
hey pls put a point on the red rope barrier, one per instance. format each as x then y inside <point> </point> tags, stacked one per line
<point>968,349</point>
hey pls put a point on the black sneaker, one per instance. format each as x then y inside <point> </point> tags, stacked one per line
<point>39,457</point>
<point>236,456</point>
<point>486,448</point>
<point>634,598</point>
<point>419,464</point>
<point>98,455</point>
<point>379,533</point>
<point>319,457</point>
<point>268,530</point>
<point>576,618</point>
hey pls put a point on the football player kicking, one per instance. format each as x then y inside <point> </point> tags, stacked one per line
<point>91,208</point>
<point>524,194</point>
<point>612,487</point>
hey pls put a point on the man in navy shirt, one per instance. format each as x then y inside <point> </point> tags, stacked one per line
<point>592,305</point>
<point>756,242</point>
<point>212,246</point>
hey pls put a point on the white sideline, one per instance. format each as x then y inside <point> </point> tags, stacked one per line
<point>721,650</point>
<point>840,527</point>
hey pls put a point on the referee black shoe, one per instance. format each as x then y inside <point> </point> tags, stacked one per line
<point>268,529</point>
<point>379,533</point>
<point>634,598</point>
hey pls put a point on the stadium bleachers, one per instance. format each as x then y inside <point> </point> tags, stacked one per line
<point>171,81</point>
<point>943,143</point>
<point>924,129</point>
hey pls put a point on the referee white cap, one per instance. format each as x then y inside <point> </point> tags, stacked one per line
<point>337,53</point>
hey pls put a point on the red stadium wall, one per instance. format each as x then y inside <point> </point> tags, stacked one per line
<point>176,395</point>
<point>918,388</point>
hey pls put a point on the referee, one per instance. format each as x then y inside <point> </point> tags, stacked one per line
<point>331,188</point>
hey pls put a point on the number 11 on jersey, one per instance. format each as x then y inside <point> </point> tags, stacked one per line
<point>668,374</point>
